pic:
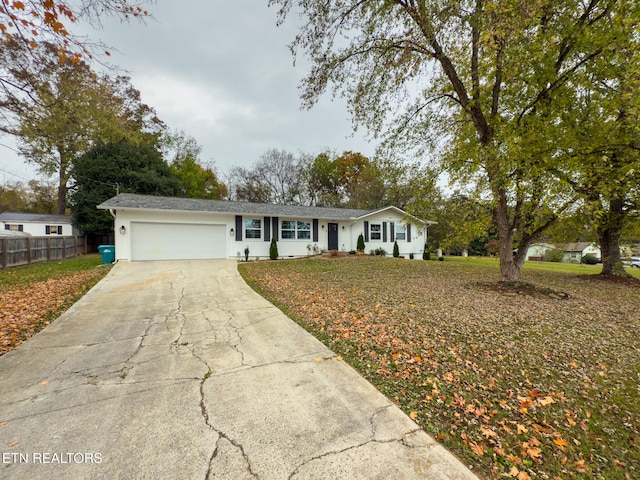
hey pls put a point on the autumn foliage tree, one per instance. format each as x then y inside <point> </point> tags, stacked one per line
<point>479,81</point>
<point>32,22</point>
<point>67,109</point>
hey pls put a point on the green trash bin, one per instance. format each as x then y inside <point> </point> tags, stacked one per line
<point>108,253</point>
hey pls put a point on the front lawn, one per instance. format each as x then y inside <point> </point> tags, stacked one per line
<point>518,382</point>
<point>32,296</point>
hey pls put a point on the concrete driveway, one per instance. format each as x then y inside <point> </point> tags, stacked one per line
<point>178,370</point>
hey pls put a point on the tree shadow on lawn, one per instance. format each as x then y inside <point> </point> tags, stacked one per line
<point>513,289</point>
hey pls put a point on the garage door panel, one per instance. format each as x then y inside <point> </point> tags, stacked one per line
<point>177,241</point>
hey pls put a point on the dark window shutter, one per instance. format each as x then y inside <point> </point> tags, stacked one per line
<point>384,231</point>
<point>267,229</point>
<point>392,231</point>
<point>21,228</point>
<point>408,232</point>
<point>7,227</point>
<point>59,229</point>
<point>315,229</point>
<point>274,223</point>
<point>47,230</point>
<point>366,231</point>
<point>238,228</point>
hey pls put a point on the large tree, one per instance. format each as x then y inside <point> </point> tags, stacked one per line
<point>115,167</point>
<point>68,109</point>
<point>601,128</point>
<point>477,75</point>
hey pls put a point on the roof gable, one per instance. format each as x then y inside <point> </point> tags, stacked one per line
<point>397,210</point>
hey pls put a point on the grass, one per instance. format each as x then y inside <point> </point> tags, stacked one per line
<point>38,272</point>
<point>32,296</point>
<point>578,268</point>
<point>516,385</point>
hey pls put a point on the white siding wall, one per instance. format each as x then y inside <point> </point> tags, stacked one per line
<point>348,232</point>
<point>414,245</point>
<point>40,229</point>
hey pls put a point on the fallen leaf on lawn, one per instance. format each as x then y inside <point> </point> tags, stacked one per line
<point>560,443</point>
<point>580,466</point>
<point>514,459</point>
<point>488,433</point>
<point>476,448</point>
<point>544,401</point>
<point>339,359</point>
<point>514,471</point>
<point>525,401</point>
<point>522,429</point>
<point>524,476</point>
<point>413,415</point>
<point>534,453</point>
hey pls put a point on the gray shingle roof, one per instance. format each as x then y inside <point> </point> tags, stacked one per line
<point>147,202</point>
<point>577,246</point>
<point>34,217</point>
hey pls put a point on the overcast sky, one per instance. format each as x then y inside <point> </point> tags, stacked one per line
<point>220,70</point>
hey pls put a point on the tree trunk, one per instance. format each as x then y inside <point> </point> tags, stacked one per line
<point>609,232</point>
<point>509,267</point>
<point>62,194</point>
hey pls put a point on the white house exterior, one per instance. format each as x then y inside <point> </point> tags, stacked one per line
<point>536,251</point>
<point>168,228</point>
<point>36,224</point>
<point>573,252</point>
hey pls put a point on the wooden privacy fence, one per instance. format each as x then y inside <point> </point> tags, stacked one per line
<point>25,250</point>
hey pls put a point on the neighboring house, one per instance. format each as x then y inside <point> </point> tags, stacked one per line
<point>36,224</point>
<point>168,228</point>
<point>536,251</point>
<point>573,252</point>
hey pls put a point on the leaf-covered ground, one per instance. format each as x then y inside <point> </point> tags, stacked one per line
<point>516,385</point>
<point>33,296</point>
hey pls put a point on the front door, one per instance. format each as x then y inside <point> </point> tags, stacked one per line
<point>333,236</point>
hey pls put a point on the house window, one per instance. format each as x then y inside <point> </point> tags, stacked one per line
<point>288,229</point>
<point>14,227</point>
<point>401,231</point>
<point>295,230</point>
<point>53,230</point>
<point>376,231</point>
<point>304,230</point>
<point>253,228</point>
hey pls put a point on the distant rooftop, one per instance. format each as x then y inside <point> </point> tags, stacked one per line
<point>34,218</point>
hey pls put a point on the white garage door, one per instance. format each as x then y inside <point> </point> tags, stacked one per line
<point>177,241</point>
